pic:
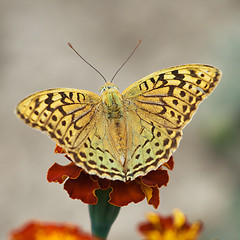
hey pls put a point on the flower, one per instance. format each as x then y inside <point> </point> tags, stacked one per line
<point>81,185</point>
<point>174,227</point>
<point>36,230</point>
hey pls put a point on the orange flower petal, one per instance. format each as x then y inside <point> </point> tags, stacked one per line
<point>167,222</point>
<point>59,149</point>
<point>103,182</point>
<point>124,193</point>
<point>34,230</point>
<point>82,188</point>
<point>169,164</point>
<point>145,227</point>
<point>58,173</point>
<point>155,199</point>
<point>156,178</point>
<point>148,191</point>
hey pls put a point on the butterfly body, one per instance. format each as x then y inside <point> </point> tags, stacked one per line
<point>114,114</point>
<point>122,136</point>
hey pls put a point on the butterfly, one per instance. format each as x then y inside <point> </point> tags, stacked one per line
<point>121,136</point>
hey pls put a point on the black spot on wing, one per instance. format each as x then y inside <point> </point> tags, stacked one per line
<point>82,154</point>
<point>165,142</point>
<point>54,118</point>
<point>193,73</point>
<point>143,85</point>
<point>71,95</point>
<point>49,100</point>
<point>152,80</point>
<point>137,166</point>
<point>60,108</point>
<point>137,156</point>
<point>92,162</point>
<point>181,84</point>
<point>103,166</point>
<point>159,152</point>
<point>182,94</point>
<point>198,81</point>
<point>148,150</point>
<point>175,102</point>
<point>178,75</point>
<point>149,159</point>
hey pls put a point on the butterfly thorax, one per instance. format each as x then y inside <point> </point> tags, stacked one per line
<point>114,111</point>
<point>112,101</point>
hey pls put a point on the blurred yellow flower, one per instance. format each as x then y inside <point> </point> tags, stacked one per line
<point>175,227</point>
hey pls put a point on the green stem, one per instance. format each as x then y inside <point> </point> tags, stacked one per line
<point>103,214</point>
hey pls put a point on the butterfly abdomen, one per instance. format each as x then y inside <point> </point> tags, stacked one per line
<point>114,112</point>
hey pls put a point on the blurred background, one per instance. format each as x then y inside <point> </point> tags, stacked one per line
<point>34,56</point>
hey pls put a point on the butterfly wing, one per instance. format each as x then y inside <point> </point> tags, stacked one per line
<point>74,120</point>
<point>158,107</point>
<point>67,115</point>
<point>97,155</point>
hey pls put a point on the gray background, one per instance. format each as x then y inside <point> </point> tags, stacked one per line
<point>34,56</point>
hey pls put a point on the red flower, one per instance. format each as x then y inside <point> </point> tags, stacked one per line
<point>81,185</point>
<point>174,227</point>
<point>35,230</point>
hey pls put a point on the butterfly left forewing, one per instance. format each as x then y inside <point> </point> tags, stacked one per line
<point>66,115</point>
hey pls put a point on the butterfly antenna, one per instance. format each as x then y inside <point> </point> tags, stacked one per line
<point>126,60</point>
<point>70,45</point>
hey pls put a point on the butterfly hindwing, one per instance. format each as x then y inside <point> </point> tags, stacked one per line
<point>149,145</point>
<point>96,155</point>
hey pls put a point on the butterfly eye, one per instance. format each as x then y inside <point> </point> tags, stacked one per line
<point>103,89</point>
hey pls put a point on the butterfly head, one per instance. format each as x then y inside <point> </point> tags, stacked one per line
<point>107,87</point>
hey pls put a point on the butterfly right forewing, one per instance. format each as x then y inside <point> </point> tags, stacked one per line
<point>171,96</point>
